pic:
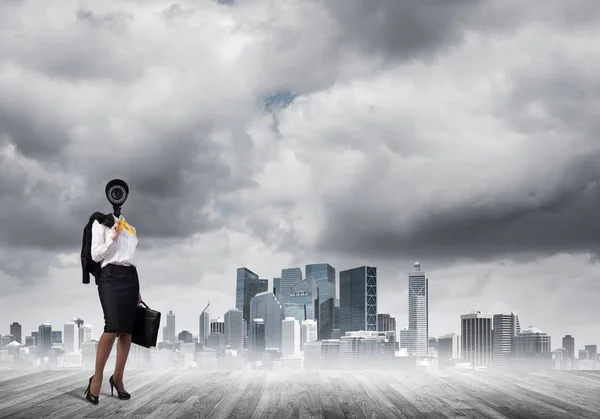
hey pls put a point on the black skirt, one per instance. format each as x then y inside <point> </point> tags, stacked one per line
<point>118,288</point>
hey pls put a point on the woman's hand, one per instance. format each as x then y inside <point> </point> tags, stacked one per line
<point>114,230</point>
<point>139,297</point>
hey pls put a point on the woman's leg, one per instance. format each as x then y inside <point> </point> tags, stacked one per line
<point>104,348</point>
<point>123,345</point>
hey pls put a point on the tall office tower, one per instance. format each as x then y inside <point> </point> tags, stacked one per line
<point>290,337</point>
<point>79,322</point>
<point>87,333</point>
<point>44,339</point>
<point>448,347</point>
<point>171,335</point>
<point>266,306</point>
<point>277,287</point>
<point>289,277</point>
<point>358,299</point>
<point>303,300</point>
<point>476,336</point>
<point>308,332</point>
<point>217,325</point>
<point>505,328</point>
<point>386,323</point>
<point>592,351</point>
<point>324,275</point>
<point>234,325</point>
<point>257,338</point>
<point>71,338</point>
<point>57,337</point>
<point>418,308</point>
<point>568,343</point>
<point>204,326</point>
<point>17,331</point>
<point>247,286</point>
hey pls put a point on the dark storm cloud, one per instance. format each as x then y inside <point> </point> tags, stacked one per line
<point>406,29</point>
<point>557,214</point>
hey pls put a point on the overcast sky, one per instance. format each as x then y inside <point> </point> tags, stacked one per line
<point>276,133</point>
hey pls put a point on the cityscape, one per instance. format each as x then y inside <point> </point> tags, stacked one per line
<point>297,322</point>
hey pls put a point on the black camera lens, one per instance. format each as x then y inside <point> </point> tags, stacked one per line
<point>117,194</point>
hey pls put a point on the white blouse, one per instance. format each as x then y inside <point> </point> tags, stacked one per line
<point>107,250</point>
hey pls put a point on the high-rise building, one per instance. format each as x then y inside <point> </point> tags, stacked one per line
<point>358,299</point>
<point>234,326</point>
<point>217,325</point>
<point>531,342</point>
<point>171,326</point>
<point>308,332</point>
<point>324,276</point>
<point>448,348</point>
<point>44,339</point>
<point>476,336</point>
<point>289,277</point>
<point>505,328</point>
<point>386,323</point>
<point>277,287</point>
<point>418,309</point>
<point>204,326</point>
<point>266,306</point>
<point>257,338</point>
<point>303,300</point>
<point>17,331</point>
<point>592,351</point>
<point>71,338</point>
<point>290,337</point>
<point>568,343</point>
<point>247,286</point>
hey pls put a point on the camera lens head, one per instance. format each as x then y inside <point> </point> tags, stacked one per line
<point>117,192</point>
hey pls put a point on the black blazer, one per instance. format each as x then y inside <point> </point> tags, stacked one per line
<point>87,264</point>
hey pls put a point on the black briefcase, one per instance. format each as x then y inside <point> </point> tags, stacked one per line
<point>145,327</point>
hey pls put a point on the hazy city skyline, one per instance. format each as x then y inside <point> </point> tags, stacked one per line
<point>306,132</point>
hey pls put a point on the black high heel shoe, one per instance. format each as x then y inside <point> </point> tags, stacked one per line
<point>88,394</point>
<point>123,395</point>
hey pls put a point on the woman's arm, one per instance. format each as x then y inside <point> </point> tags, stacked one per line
<point>101,242</point>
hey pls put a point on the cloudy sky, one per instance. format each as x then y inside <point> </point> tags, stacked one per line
<point>276,133</point>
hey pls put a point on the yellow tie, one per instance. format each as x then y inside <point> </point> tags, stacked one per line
<point>123,223</point>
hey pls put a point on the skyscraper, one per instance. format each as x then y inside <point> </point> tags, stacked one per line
<point>234,325</point>
<point>266,306</point>
<point>290,337</point>
<point>171,326</point>
<point>17,331</point>
<point>277,287</point>
<point>303,301</point>
<point>568,343</point>
<point>247,286</point>
<point>289,277</point>
<point>476,339</point>
<point>418,309</point>
<point>505,329</point>
<point>71,338</point>
<point>324,276</point>
<point>44,339</point>
<point>204,326</point>
<point>358,299</point>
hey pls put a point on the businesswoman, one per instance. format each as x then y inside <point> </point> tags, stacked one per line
<point>119,291</point>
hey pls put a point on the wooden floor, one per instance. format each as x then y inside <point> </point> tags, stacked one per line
<point>306,394</point>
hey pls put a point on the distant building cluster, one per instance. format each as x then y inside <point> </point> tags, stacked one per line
<point>300,324</point>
